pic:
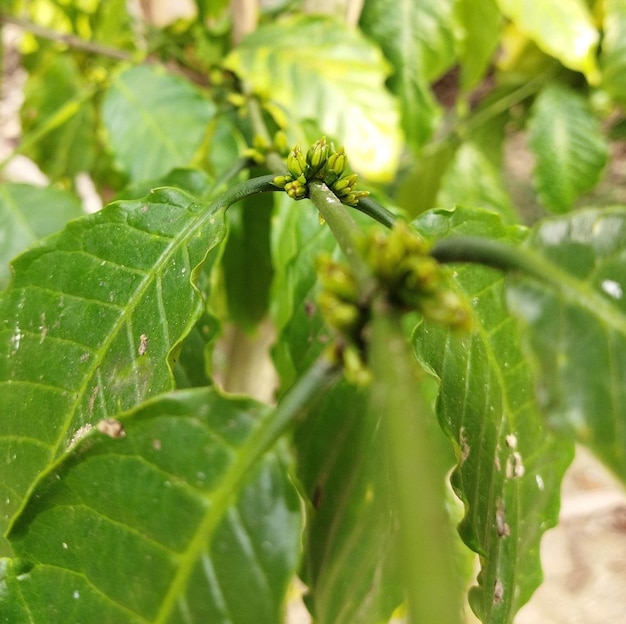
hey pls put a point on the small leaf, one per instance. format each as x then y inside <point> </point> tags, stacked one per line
<point>88,322</point>
<point>576,327</point>
<point>319,69</point>
<point>562,28</point>
<point>418,39</point>
<point>349,563</point>
<point>613,55</point>
<point>569,146</point>
<point>190,531</point>
<point>154,121</point>
<point>28,213</point>
<point>509,466</point>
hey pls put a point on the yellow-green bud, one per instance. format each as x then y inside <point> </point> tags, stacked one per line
<point>296,162</point>
<point>281,180</point>
<point>281,144</point>
<point>316,156</point>
<point>344,185</point>
<point>354,368</point>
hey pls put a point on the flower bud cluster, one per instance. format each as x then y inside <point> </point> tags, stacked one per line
<point>261,147</point>
<point>321,162</point>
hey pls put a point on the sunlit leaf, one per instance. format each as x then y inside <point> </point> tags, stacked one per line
<point>154,121</point>
<point>562,28</point>
<point>575,327</point>
<point>161,521</point>
<point>418,39</point>
<point>509,465</point>
<point>87,324</point>
<point>28,213</point>
<point>320,69</point>
<point>569,147</point>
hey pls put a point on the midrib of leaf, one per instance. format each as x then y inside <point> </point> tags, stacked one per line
<point>155,128</point>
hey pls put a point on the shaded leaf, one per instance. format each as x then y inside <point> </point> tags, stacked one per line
<point>575,327</point>
<point>569,147</point>
<point>509,465</point>
<point>246,261</point>
<point>418,39</point>
<point>320,69</point>
<point>562,28</point>
<point>88,321</point>
<point>613,56</point>
<point>154,121</point>
<point>65,111</point>
<point>481,23</point>
<point>28,213</point>
<point>473,180</point>
<point>349,563</point>
<point>191,530</point>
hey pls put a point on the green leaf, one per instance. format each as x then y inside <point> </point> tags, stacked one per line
<point>568,145</point>
<point>575,327</point>
<point>509,465</point>
<point>88,322</point>
<point>418,39</point>
<point>563,29</point>
<point>155,121</point>
<point>319,68</point>
<point>417,469</point>
<point>246,261</point>
<point>28,213</point>
<point>481,23</point>
<point>349,563</point>
<point>473,180</point>
<point>65,114</point>
<point>613,55</point>
<point>191,530</point>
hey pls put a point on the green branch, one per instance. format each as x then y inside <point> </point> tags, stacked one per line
<point>377,212</point>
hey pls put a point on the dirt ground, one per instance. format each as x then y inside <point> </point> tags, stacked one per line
<point>584,558</point>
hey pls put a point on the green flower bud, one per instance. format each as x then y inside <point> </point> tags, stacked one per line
<point>352,199</point>
<point>296,162</point>
<point>316,156</point>
<point>281,180</point>
<point>345,184</point>
<point>337,279</point>
<point>354,368</point>
<point>281,144</point>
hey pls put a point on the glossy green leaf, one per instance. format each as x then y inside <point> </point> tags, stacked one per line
<point>28,213</point>
<point>576,328</point>
<point>350,535</point>
<point>168,523</point>
<point>154,121</point>
<point>88,321</point>
<point>320,69</point>
<point>562,28</point>
<point>509,466</point>
<point>481,22</point>
<point>613,56</point>
<point>66,114</point>
<point>569,147</point>
<point>473,180</point>
<point>418,39</point>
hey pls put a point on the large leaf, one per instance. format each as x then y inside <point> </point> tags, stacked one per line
<point>88,322</point>
<point>613,57</point>
<point>176,521</point>
<point>576,327</point>
<point>155,121</point>
<point>349,564</point>
<point>509,465</point>
<point>319,69</point>
<point>418,39</point>
<point>28,213</point>
<point>562,28</point>
<point>568,145</point>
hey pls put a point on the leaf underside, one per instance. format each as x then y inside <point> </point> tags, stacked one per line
<point>509,467</point>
